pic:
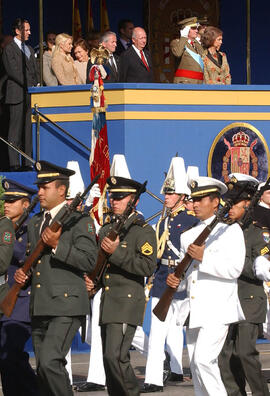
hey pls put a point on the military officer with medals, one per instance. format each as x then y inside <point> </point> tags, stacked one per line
<point>132,256</point>
<point>211,284</point>
<point>59,300</point>
<point>16,329</point>
<point>169,228</point>
<point>239,360</point>
<point>188,52</point>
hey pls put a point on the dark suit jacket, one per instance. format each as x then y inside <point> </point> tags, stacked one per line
<point>112,77</point>
<point>132,68</point>
<point>119,48</point>
<point>58,287</point>
<point>21,71</point>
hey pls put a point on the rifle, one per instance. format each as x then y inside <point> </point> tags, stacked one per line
<point>102,258</point>
<point>254,201</point>
<point>8,303</point>
<point>26,213</point>
<point>162,307</point>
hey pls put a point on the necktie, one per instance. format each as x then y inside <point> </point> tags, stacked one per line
<point>144,61</point>
<point>113,64</point>
<point>46,222</point>
<point>25,50</point>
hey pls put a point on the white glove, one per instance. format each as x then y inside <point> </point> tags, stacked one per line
<point>94,193</point>
<point>184,32</point>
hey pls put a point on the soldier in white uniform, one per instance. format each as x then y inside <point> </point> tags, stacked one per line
<point>211,282</point>
<point>169,228</point>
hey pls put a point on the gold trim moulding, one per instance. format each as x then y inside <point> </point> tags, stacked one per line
<point>160,115</point>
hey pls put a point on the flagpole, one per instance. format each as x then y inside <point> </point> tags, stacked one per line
<point>73,17</point>
<point>41,41</point>
<point>248,43</point>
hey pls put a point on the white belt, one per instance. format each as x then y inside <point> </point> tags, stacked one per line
<point>3,279</point>
<point>169,263</point>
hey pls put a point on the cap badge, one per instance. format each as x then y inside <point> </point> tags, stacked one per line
<point>6,185</point>
<point>38,166</point>
<point>113,180</point>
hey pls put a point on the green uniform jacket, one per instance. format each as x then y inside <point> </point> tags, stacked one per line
<point>6,251</point>
<point>184,60</point>
<point>250,289</point>
<point>58,287</point>
<point>123,298</point>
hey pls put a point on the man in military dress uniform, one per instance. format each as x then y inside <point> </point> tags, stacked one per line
<point>132,256</point>
<point>59,300</point>
<point>211,282</point>
<point>188,52</point>
<point>239,360</point>
<point>16,329</point>
<point>169,228</point>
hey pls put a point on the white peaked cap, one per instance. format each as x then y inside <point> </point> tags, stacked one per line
<point>203,186</point>
<point>176,179</point>
<point>244,177</point>
<point>192,173</point>
<point>76,184</point>
<point>119,166</point>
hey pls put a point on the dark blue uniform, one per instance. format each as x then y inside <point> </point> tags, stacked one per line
<point>178,222</point>
<point>18,377</point>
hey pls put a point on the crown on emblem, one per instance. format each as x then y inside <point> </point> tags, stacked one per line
<point>240,139</point>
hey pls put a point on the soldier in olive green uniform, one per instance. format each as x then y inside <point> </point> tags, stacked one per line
<point>132,257</point>
<point>188,52</point>
<point>6,252</point>
<point>239,359</point>
<point>59,300</point>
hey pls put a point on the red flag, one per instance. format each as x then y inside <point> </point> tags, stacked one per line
<point>104,18</point>
<point>90,22</point>
<point>99,158</point>
<point>76,22</point>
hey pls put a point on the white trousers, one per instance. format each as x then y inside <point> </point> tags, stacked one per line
<point>204,346</point>
<point>169,332</point>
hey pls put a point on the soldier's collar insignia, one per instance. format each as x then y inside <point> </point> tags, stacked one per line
<point>147,249</point>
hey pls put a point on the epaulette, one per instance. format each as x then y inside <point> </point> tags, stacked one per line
<point>191,213</point>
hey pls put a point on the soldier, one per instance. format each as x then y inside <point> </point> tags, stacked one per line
<point>132,256</point>
<point>238,360</point>
<point>211,283</point>
<point>16,329</point>
<point>59,300</point>
<point>169,228</point>
<point>188,52</point>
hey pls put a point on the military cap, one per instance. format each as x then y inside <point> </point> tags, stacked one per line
<point>241,187</point>
<point>15,191</point>
<point>48,172</point>
<point>176,179</point>
<point>262,186</point>
<point>120,187</point>
<point>192,22</point>
<point>203,186</point>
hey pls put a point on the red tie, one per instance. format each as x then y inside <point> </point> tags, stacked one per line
<point>144,61</point>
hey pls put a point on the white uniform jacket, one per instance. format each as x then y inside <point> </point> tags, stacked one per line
<point>212,284</point>
<point>262,268</point>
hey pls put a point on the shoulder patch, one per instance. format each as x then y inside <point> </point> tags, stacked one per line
<point>266,236</point>
<point>7,237</point>
<point>90,228</point>
<point>147,249</point>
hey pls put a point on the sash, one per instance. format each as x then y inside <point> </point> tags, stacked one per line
<point>195,56</point>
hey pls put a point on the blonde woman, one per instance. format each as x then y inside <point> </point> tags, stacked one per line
<point>216,67</point>
<point>62,62</point>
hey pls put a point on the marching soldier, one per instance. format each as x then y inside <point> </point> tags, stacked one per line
<point>238,360</point>
<point>59,300</point>
<point>169,228</point>
<point>211,283</point>
<point>132,256</point>
<point>16,329</point>
<point>188,52</point>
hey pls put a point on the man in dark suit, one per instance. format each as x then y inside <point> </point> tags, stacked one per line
<point>112,67</point>
<point>136,63</point>
<point>16,329</point>
<point>21,69</point>
<point>124,41</point>
<point>59,300</point>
